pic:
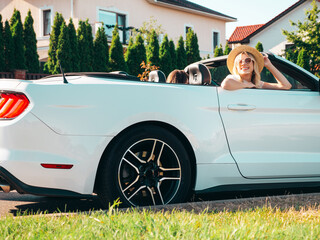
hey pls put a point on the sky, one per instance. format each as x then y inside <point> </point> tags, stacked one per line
<point>247,12</point>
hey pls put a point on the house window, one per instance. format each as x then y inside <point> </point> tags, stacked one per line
<point>215,40</point>
<point>46,22</point>
<point>110,19</point>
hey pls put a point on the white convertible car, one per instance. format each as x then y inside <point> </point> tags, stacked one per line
<point>151,143</point>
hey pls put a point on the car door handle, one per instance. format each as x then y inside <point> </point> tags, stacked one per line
<point>241,107</point>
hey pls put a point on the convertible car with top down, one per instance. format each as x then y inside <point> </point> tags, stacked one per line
<point>153,143</point>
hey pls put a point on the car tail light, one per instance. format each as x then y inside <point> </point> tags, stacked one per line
<point>12,104</point>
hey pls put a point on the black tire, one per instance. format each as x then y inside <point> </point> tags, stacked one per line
<point>146,166</point>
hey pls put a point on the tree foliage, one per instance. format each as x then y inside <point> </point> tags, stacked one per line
<point>153,49</point>
<point>218,51</point>
<point>227,50</point>
<point>52,65</point>
<point>130,56</point>
<point>303,59</point>
<point>63,51</point>
<point>17,37</point>
<point>181,54</point>
<point>165,56</point>
<point>173,54</point>
<point>192,47</point>
<point>116,57</point>
<point>2,59</point>
<point>259,46</point>
<point>149,26</point>
<point>307,37</point>
<point>74,52</point>
<point>30,43</point>
<point>135,55</point>
<point>8,48</point>
<point>141,53</point>
<point>85,46</point>
<point>100,51</point>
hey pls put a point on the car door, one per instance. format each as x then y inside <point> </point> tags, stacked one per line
<point>273,133</point>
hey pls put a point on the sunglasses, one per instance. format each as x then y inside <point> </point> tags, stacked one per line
<point>246,60</point>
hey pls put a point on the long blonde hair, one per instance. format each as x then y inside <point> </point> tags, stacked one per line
<point>256,78</point>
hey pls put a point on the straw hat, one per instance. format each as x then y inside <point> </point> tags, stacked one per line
<point>244,48</point>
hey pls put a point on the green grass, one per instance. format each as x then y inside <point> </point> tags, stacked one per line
<point>259,223</point>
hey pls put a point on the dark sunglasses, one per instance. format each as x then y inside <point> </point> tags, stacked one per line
<point>246,60</point>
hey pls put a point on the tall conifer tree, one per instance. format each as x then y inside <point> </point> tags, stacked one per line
<point>2,59</point>
<point>101,51</point>
<point>63,51</point>
<point>85,45</point>
<point>130,56</point>
<point>90,45</point>
<point>74,53</point>
<point>192,47</point>
<point>181,54</point>
<point>8,48</point>
<point>141,53</point>
<point>165,56</point>
<point>17,37</point>
<point>173,55</point>
<point>153,49</point>
<point>30,43</point>
<point>51,65</point>
<point>116,57</point>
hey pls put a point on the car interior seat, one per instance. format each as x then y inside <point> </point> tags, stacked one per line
<point>157,76</point>
<point>199,74</point>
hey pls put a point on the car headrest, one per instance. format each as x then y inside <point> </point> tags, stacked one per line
<point>157,76</point>
<point>199,74</point>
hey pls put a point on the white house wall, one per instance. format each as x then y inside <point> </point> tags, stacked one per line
<point>272,38</point>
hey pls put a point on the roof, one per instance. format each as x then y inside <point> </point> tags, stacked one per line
<point>192,7</point>
<point>242,37</point>
<point>241,33</point>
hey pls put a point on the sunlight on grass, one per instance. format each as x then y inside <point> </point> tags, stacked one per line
<point>259,223</point>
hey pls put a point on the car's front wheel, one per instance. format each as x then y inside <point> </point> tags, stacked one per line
<point>146,166</point>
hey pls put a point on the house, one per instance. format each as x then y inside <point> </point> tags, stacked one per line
<point>174,16</point>
<point>270,33</point>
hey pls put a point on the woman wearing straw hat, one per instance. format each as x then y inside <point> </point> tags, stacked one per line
<point>245,63</point>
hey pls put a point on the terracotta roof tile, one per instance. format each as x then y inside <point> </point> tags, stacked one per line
<point>241,33</point>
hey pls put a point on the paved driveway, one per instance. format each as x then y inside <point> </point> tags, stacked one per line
<point>13,202</point>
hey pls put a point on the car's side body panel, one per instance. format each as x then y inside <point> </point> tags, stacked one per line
<point>273,134</point>
<point>73,124</point>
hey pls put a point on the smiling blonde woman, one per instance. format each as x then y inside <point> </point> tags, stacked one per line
<point>245,64</point>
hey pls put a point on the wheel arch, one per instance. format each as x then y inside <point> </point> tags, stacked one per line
<point>187,145</point>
